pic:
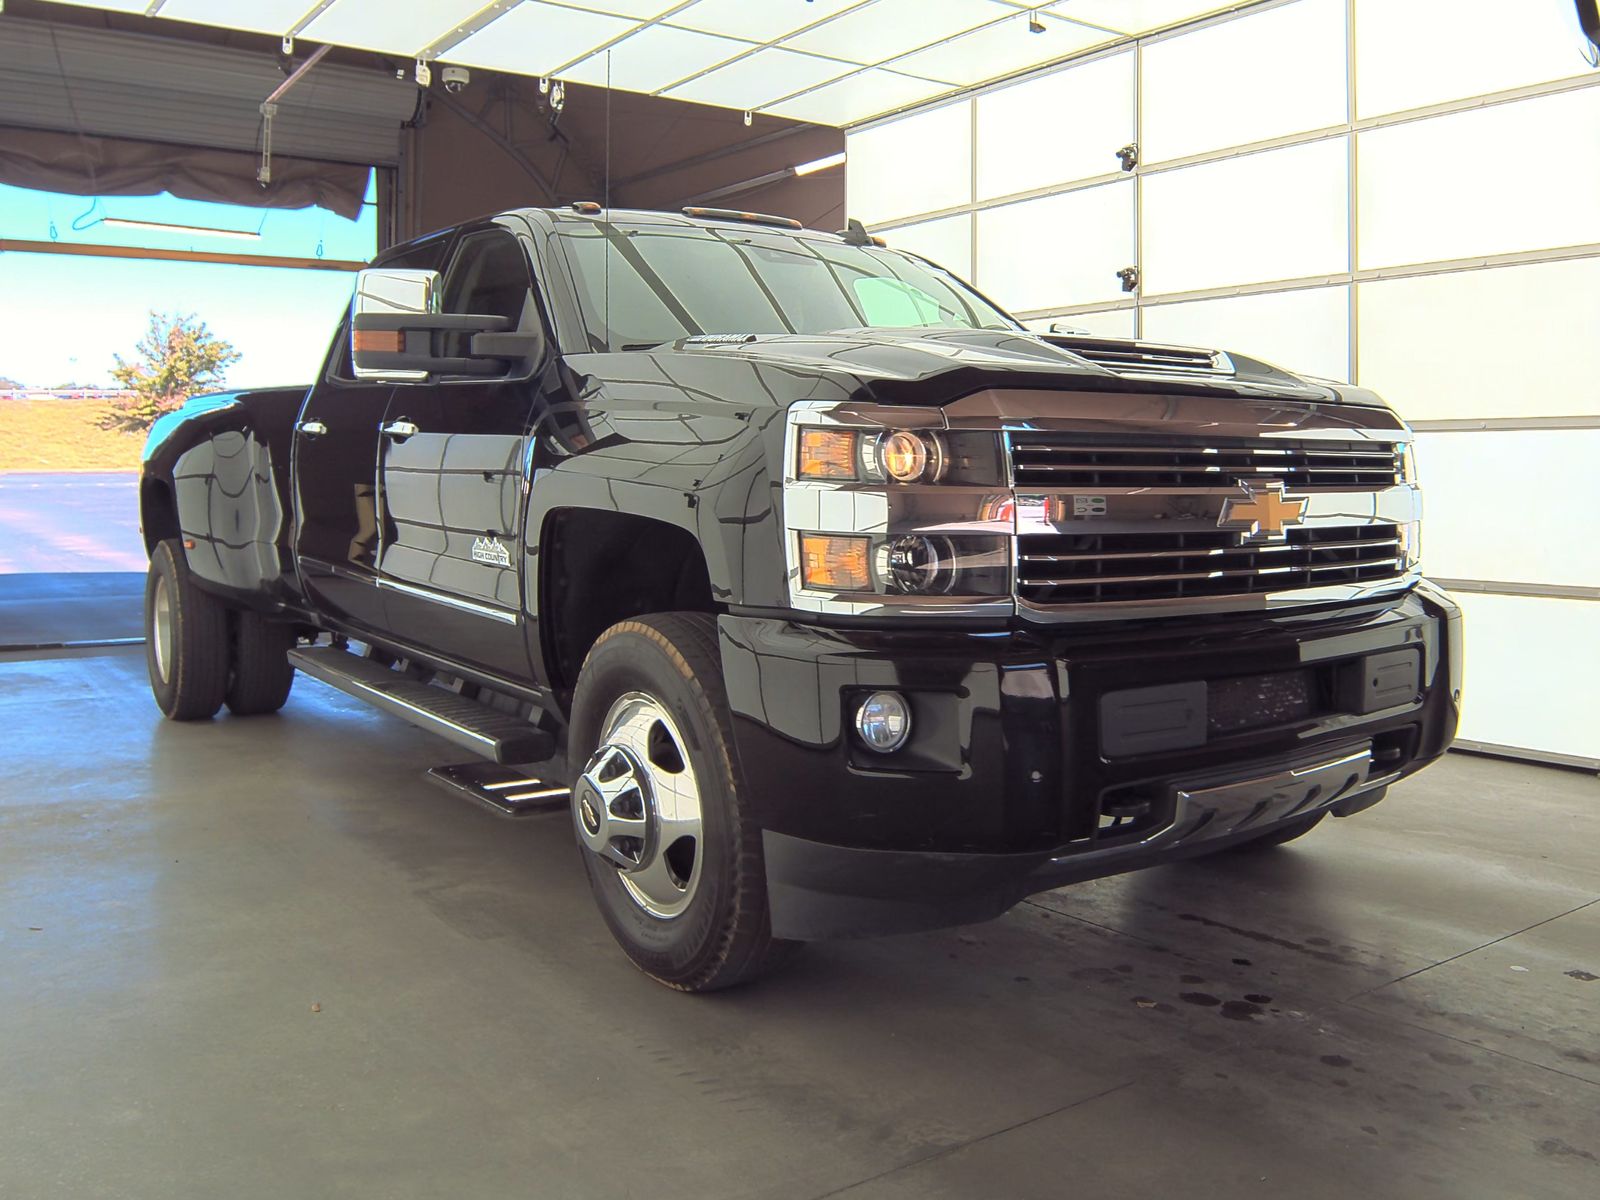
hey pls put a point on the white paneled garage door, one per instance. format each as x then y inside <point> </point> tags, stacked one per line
<point>1402,193</point>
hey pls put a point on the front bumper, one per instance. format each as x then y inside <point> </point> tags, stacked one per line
<point>1021,776</point>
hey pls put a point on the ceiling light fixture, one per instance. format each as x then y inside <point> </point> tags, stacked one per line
<point>164,227</point>
<point>1035,25</point>
<point>820,164</point>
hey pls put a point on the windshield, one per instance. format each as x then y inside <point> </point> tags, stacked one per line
<point>666,282</point>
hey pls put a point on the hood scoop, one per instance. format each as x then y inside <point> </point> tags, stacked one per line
<point>1146,358</point>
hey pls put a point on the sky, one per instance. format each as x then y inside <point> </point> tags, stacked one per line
<point>63,317</point>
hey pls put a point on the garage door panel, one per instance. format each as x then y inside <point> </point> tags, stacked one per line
<point>1282,214</point>
<point>1506,342</point>
<point>1057,129</point>
<point>1206,89</point>
<point>947,241</point>
<point>1514,506</point>
<point>918,164</point>
<point>127,84</point>
<point>1497,180</point>
<point>1059,251</point>
<point>1412,53</point>
<point>1532,673</point>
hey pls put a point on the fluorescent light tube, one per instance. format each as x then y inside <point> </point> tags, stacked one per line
<point>820,164</point>
<point>164,227</point>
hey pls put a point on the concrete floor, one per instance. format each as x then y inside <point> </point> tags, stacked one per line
<point>1402,1005</point>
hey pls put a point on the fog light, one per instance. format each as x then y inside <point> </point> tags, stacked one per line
<point>884,721</point>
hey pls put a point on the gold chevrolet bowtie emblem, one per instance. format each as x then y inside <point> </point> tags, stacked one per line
<point>1263,512</point>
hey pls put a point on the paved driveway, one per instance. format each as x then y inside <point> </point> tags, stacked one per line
<point>70,521</point>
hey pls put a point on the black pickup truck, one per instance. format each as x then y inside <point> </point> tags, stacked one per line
<point>826,598</point>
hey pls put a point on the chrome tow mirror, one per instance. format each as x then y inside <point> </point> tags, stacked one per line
<point>383,298</point>
<point>398,333</point>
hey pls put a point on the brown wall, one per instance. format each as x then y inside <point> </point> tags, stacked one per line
<point>493,146</point>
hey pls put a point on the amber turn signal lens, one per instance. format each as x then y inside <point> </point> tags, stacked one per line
<point>835,564</point>
<point>379,341</point>
<point>827,454</point>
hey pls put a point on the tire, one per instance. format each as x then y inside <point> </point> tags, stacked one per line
<point>672,851</point>
<point>1284,833</point>
<point>186,639</point>
<point>262,674</point>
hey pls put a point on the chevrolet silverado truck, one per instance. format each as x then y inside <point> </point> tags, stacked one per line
<point>821,596</point>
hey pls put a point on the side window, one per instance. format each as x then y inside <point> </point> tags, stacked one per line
<point>488,275</point>
<point>424,256</point>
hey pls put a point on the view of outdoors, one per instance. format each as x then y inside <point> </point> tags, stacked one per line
<point>93,348</point>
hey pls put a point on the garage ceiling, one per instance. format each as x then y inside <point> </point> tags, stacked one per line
<point>832,62</point>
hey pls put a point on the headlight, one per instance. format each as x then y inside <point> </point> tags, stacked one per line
<point>883,513</point>
<point>831,455</point>
<point>906,565</point>
<point>905,457</point>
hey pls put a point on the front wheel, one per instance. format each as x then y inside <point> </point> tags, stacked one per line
<point>672,851</point>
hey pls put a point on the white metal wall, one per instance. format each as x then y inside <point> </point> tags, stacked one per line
<point>1403,193</point>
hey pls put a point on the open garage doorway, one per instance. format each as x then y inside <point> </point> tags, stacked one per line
<point>106,317</point>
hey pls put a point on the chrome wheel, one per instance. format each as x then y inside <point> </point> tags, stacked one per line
<point>161,629</point>
<point>637,806</point>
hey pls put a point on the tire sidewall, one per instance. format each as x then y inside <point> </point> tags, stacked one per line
<point>676,947</point>
<point>162,566</point>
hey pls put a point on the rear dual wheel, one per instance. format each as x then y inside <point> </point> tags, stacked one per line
<point>671,848</point>
<point>202,655</point>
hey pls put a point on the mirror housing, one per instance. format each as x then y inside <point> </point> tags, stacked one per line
<point>399,334</point>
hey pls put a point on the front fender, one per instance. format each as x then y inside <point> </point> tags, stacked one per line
<point>727,509</point>
<point>216,474</point>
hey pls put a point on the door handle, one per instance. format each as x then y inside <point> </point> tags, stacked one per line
<point>400,430</point>
<point>312,428</point>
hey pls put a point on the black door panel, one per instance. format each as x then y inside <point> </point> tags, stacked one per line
<point>452,470</point>
<point>454,505</point>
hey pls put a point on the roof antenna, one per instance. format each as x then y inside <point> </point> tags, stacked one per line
<point>855,233</point>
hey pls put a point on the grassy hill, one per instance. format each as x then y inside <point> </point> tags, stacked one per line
<point>60,435</point>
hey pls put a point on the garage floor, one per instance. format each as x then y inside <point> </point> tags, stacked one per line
<point>264,958</point>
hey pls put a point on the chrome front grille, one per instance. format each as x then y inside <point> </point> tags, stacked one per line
<point>1145,358</point>
<point>1088,568</point>
<point>1066,461</point>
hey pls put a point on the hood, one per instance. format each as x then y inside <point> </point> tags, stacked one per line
<point>936,366</point>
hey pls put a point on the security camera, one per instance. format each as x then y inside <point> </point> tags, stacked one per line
<point>455,78</point>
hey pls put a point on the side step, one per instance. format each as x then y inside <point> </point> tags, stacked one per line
<point>497,736</point>
<point>507,791</point>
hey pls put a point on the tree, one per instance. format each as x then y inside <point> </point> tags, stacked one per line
<point>177,357</point>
